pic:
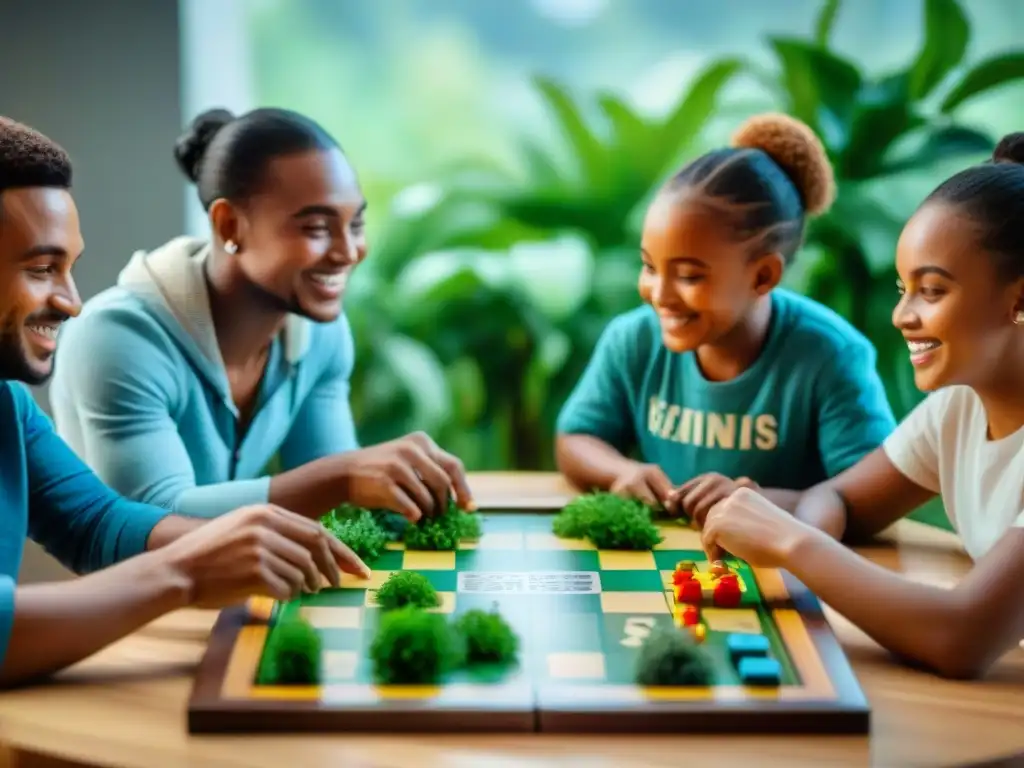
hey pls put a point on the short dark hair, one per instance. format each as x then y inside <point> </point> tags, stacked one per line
<point>226,156</point>
<point>775,175</point>
<point>30,159</point>
<point>992,194</point>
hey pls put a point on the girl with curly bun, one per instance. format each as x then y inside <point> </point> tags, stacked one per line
<point>960,261</point>
<point>724,378</point>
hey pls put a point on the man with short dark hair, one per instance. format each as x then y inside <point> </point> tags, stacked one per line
<point>141,561</point>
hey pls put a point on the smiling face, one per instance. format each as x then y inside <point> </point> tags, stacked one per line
<point>700,281</point>
<point>955,311</point>
<point>40,241</point>
<point>301,235</point>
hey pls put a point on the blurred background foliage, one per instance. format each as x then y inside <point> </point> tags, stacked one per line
<point>505,208</point>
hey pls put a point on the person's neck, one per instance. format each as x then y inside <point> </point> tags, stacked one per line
<point>736,351</point>
<point>245,325</point>
<point>1003,397</point>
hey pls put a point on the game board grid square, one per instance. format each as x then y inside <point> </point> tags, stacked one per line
<point>335,597</point>
<point>625,560</point>
<point>570,632</point>
<point>633,603</point>
<point>388,560</point>
<point>526,561</point>
<point>631,581</point>
<point>678,538</point>
<point>332,616</point>
<point>576,666</point>
<point>546,540</point>
<point>666,559</point>
<point>422,560</point>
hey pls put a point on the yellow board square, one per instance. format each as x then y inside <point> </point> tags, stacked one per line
<point>428,561</point>
<point>550,541</point>
<point>576,666</point>
<point>634,602</point>
<point>615,560</point>
<point>395,546</point>
<point>678,537</point>
<point>447,601</point>
<point>332,617</point>
<point>377,578</point>
<point>340,665</point>
<point>741,620</point>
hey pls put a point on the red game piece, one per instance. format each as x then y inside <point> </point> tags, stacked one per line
<point>691,615</point>
<point>689,592</point>
<point>681,576</point>
<point>727,593</point>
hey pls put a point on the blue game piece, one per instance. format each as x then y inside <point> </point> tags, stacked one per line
<point>756,670</point>
<point>742,645</point>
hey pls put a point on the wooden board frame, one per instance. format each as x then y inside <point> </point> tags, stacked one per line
<point>829,699</point>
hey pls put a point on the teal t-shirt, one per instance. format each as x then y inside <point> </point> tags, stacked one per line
<point>810,406</point>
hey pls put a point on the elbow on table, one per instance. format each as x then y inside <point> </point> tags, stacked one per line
<point>962,654</point>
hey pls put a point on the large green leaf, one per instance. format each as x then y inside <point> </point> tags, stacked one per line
<point>684,123</point>
<point>821,87</point>
<point>990,73</point>
<point>946,34</point>
<point>825,21</point>
<point>589,153</point>
<point>874,130</point>
<point>941,144</point>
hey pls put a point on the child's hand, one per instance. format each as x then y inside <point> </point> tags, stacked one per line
<point>750,527</point>
<point>697,496</point>
<point>646,482</point>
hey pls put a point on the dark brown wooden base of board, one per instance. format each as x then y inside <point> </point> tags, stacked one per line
<point>800,721</point>
<point>301,717</point>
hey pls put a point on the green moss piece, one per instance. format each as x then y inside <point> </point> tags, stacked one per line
<point>292,654</point>
<point>609,522</point>
<point>671,656</point>
<point>412,646</point>
<point>405,588</point>
<point>442,531</point>
<point>488,638</point>
<point>359,529</point>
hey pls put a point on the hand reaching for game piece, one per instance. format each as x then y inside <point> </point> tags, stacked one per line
<point>697,496</point>
<point>750,527</point>
<point>410,475</point>
<point>258,550</point>
<point>646,482</point>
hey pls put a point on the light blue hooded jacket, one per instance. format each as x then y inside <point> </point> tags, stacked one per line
<point>141,394</point>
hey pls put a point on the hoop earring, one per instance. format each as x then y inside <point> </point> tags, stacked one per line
<point>231,247</point>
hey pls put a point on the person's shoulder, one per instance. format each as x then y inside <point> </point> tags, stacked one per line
<point>111,319</point>
<point>635,329</point>
<point>814,330</point>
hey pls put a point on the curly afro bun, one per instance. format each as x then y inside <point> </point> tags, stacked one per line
<point>798,151</point>
<point>1010,149</point>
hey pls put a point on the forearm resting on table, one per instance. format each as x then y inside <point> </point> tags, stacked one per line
<point>956,633</point>
<point>822,508</point>
<point>588,462</point>
<point>312,490</point>
<point>56,625</point>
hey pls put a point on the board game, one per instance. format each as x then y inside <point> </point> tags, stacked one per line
<point>581,614</point>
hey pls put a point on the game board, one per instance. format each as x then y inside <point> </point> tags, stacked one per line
<point>581,614</point>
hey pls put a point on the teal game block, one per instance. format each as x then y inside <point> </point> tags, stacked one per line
<point>741,646</point>
<point>759,670</point>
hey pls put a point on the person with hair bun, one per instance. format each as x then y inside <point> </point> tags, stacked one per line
<point>960,260</point>
<point>212,357</point>
<point>724,379</point>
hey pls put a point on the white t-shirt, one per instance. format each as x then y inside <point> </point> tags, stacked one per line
<point>943,446</point>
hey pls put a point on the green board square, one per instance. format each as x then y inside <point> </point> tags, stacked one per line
<point>442,581</point>
<point>526,560</point>
<point>335,597</point>
<point>388,560</point>
<point>631,581</point>
<point>666,559</point>
<point>622,638</point>
<point>570,632</point>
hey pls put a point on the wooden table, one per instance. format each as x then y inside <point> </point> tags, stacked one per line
<point>126,705</point>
